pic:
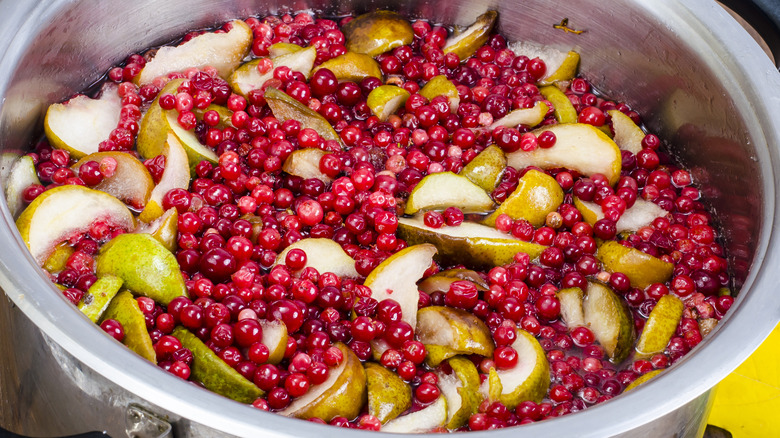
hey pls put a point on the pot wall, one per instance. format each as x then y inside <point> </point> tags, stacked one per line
<point>687,65</point>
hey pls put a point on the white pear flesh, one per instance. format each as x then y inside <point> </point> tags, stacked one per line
<point>424,420</point>
<point>628,135</point>
<point>324,255</point>
<point>21,176</point>
<point>247,78</point>
<point>641,214</point>
<point>175,176</point>
<point>438,191</point>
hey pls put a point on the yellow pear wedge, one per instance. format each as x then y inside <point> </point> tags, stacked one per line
<point>131,181</point>
<point>639,215</point>
<point>247,77</point>
<point>644,378</point>
<point>561,65</point>
<point>522,116</point>
<point>528,380</point>
<point>486,169</point>
<point>610,321</point>
<point>388,395</point>
<point>467,42</point>
<point>457,330</point>
<point>223,51</point>
<point>461,389</point>
<point>306,164</point>
<point>660,326</point>
<point>175,176</point>
<point>438,191</point>
<point>279,49</point>
<point>352,66</point>
<point>124,309</point>
<point>641,268</point>
<point>441,281</point>
<point>425,420</point>
<point>21,176</point>
<point>628,135</point>
<point>377,32</point>
<point>165,229</point>
<point>65,211</point>
<point>441,86</point>
<point>537,194</point>
<point>385,100</point>
<point>563,110</point>
<point>324,255</point>
<point>275,338</point>
<point>286,108</point>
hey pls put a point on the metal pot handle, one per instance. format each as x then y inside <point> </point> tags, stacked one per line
<point>763,16</point>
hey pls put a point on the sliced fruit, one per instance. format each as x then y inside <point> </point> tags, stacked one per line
<point>377,32</point>
<point>146,267</point>
<point>352,66</point>
<point>124,309</point>
<point>577,147</point>
<point>131,181</point>
<point>396,278</point>
<point>461,389</point>
<point>537,194</point>
<point>571,306</point>
<point>561,65</point>
<point>639,215</point>
<point>388,395</point>
<point>153,130</point>
<point>660,326</point>
<point>56,262</point>
<point>275,338</point>
<point>422,421</point>
<point>196,152</point>
<point>563,110</point>
<point>80,124</point>
<point>306,164</point>
<point>223,51</point>
<point>164,229</point>
<point>324,255</point>
<point>225,115</point>
<point>486,169</point>
<point>467,42</point>
<point>21,176</point>
<point>279,49</point>
<point>528,380</point>
<point>441,86</point>
<point>628,135</point>
<point>286,108</point>
<point>66,211</point>
<point>455,329</point>
<point>217,376</point>
<point>95,302</point>
<point>609,320</point>
<point>436,354</point>
<point>385,100</point>
<point>474,245</point>
<point>175,176</point>
<point>642,379</point>
<point>440,282</point>
<point>529,117</point>
<point>438,191</point>
<point>247,77</point>
<point>343,394</point>
<point>641,268</point>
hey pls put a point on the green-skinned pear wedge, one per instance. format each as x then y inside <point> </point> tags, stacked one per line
<point>247,77</point>
<point>454,329</point>
<point>324,255</point>
<point>537,194</point>
<point>438,191</point>
<point>95,302</point>
<point>275,338</point>
<point>639,215</point>
<point>610,321</point>
<point>660,326</point>
<point>628,135</point>
<point>217,376</point>
<point>286,108</point>
<point>164,229</point>
<point>529,379</point>
<point>563,109</point>
<point>21,176</point>
<point>441,86</point>
<point>486,169</point>
<point>377,32</point>
<point>461,389</point>
<point>467,42</point>
<point>388,395</point>
<point>385,100</point>
<point>58,258</point>
<point>641,268</point>
<point>441,281</point>
<point>144,264</point>
<point>352,66</point>
<point>124,309</point>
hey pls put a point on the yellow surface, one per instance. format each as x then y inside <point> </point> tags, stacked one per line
<point>747,402</point>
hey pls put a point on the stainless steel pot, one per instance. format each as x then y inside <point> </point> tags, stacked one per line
<point>697,76</point>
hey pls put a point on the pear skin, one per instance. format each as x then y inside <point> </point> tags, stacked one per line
<point>124,309</point>
<point>388,395</point>
<point>377,32</point>
<point>95,302</point>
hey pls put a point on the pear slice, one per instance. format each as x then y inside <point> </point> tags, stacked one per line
<point>388,395</point>
<point>571,307</point>
<point>196,151</point>
<point>58,259</point>
<point>436,354</point>
<point>146,267</point>
<point>441,86</point>
<point>461,389</point>
<point>225,115</point>
<point>660,326</point>
<point>165,229</point>
<point>286,108</point>
<point>641,268</point>
<point>577,147</point>
<point>377,32</point>
<point>474,245</point>
<point>537,194</point>
<point>324,255</point>
<point>66,211</point>
<point>628,135</point>
<point>217,376</point>
<point>124,309</point>
<point>385,100</point>
<point>275,338</point>
<point>561,65</point>
<point>21,176</point>
<point>642,379</point>
<point>563,110</point>
<point>95,302</point>
<point>343,394</point>
<point>247,78</point>
<point>528,380</point>
<point>352,66</point>
<point>223,51</point>
<point>153,130</point>
<point>306,164</point>
<point>175,176</point>
<point>609,320</point>
<point>455,329</point>
<point>131,181</point>
<point>422,421</point>
<point>486,169</point>
<point>467,42</point>
<point>438,191</point>
<point>522,116</point>
<point>396,278</point>
<point>80,124</point>
<point>440,282</point>
<point>639,215</point>
<point>280,49</point>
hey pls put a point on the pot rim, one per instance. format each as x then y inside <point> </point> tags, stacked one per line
<point>702,24</point>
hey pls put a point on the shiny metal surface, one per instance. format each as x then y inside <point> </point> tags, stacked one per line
<point>699,78</point>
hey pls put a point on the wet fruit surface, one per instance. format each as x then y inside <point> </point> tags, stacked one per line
<point>376,223</point>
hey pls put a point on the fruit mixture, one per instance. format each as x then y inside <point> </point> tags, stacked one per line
<point>374,223</point>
